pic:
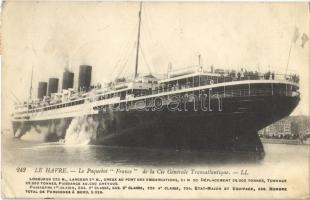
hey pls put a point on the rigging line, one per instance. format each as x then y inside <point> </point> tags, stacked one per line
<point>12,93</point>
<point>126,53</point>
<point>117,66</point>
<point>147,25</point>
<point>123,52</point>
<point>146,63</point>
<point>131,59</point>
<point>130,33</point>
<point>158,39</point>
<point>150,39</point>
<point>144,53</point>
<point>148,21</point>
<point>127,69</point>
<point>123,68</point>
<point>149,32</point>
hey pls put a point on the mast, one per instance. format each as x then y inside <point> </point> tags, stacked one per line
<point>138,42</point>
<point>30,91</point>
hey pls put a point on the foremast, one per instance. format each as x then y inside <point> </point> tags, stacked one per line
<point>138,43</point>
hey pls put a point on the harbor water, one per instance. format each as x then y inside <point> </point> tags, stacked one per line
<point>282,161</point>
<point>31,153</point>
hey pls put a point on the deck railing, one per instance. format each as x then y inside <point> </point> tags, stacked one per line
<point>192,83</point>
<point>255,92</point>
<point>221,79</point>
<point>185,97</point>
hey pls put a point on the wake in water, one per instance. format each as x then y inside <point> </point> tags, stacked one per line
<point>82,130</point>
<point>35,133</point>
<point>79,130</point>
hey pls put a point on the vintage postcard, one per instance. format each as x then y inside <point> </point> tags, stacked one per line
<point>155,100</point>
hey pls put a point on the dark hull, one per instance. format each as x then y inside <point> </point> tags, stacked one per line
<point>233,128</point>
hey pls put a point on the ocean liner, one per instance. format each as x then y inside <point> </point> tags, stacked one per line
<point>191,108</point>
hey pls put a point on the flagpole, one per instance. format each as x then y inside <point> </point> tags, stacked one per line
<point>288,59</point>
<point>294,39</point>
<point>309,58</point>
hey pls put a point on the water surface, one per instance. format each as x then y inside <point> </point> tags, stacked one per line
<point>56,153</point>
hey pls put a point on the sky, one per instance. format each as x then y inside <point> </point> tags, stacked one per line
<point>53,36</point>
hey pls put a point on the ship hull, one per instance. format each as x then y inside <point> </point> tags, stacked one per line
<point>229,127</point>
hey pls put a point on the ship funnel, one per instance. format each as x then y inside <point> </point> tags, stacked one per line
<point>84,77</point>
<point>52,86</point>
<point>67,80</point>
<point>42,87</point>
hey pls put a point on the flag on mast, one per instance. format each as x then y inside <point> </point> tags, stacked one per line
<point>304,39</point>
<point>296,35</point>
